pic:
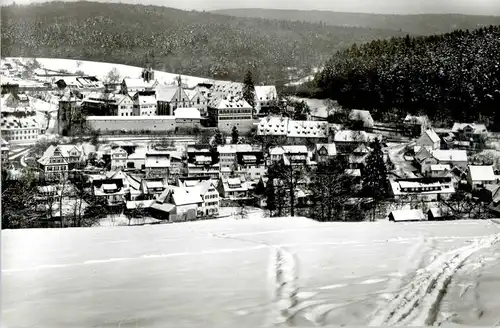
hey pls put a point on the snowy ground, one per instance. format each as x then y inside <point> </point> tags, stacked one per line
<point>250,273</point>
<point>100,69</point>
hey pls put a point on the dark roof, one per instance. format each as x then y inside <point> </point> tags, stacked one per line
<point>259,155</point>
<point>99,183</point>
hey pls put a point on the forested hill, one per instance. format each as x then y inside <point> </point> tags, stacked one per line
<point>454,76</point>
<point>194,43</point>
<point>424,24</point>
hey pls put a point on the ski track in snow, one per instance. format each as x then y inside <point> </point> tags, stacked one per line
<point>418,303</point>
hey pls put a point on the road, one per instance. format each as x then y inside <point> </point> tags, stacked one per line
<point>404,168</point>
<point>248,273</point>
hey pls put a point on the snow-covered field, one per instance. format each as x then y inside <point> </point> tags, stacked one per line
<point>100,69</point>
<point>251,273</point>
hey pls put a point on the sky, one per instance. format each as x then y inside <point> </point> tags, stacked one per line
<point>473,7</point>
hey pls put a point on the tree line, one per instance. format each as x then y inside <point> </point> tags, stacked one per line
<point>449,77</point>
<point>194,43</point>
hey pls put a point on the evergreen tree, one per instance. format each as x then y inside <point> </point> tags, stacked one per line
<point>375,181</point>
<point>249,89</point>
<point>235,136</point>
<point>218,138</point>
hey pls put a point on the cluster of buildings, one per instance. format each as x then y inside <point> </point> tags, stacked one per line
<point>18,122</point>
<point>130,106</point>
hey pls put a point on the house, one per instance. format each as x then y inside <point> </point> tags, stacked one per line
<point>453,157</point>
<point>469,131</point>
<point>198,99</point>
<point>111,189</point>
<point>58,160</point>
<point>324,152</point>
<point>231,111</point>
<point>362,118</point>
<point>478,176</point>
<point>424,189</point>
<point>438,170</point>
<point>234,188</point>
<point>137,84</point>
<point>107,104</point>
<point>20,130</point>
<point>407,216</point>
<point>266,96</point>
<point>202,161</point>
<point>144,104</point>
<point>5,150</point>
<point>227,154</point>
<point>251,164</point>
<point>291,155</point>
<point>357,159</point>
<point>170,97</point>
<point>439,213</point>
<point>416,125</point>
<point>348,140</point>
<point>152,188</point>
<point>187,117</point>
<point>207,190</point>
<point>177,204</point>
<point>157,163</point>
<point>118,159</point>
<point>14,100</point>
<point>429,139</point>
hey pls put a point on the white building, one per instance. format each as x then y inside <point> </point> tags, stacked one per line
<point>144,105</point>
<point>118,159</point>
<point>265,97</point>
<point>429,140</point>
<point>25,130</point>
<point>210,196</point>
<point>425,189</point>
<point>478,176</point>
<point>291,155</point>
<point>187,117</point>
<point>283,126</point>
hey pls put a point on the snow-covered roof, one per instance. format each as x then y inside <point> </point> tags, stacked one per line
<point>408,215</point>
<point>146,100</point>
<point>440,167</point>
<point>475,127</point>
<point>453,155</point>
<point>330,148</point>
<point>235,102</point>
<point>266,92</point>
<point>109,186</point>
<point>187,113</point>
<point>353,172</point>
<point>482,173</point>
<point>294,149</point>
<point>12,122</point>
<point>432,135</point>
<point>419,186</point>
<point>307,129</point>
<point>283,126</point>
<point>168,92</point>
<point>138,83</point>
<point>183,196</point>
<point>230,149</point>
<point>203,186</point>
<point>157,160</point>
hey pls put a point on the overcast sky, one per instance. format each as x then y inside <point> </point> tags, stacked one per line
<point>475,7</point>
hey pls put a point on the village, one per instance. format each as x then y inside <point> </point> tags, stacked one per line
<point>165,151</point>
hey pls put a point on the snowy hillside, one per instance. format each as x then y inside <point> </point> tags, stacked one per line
<point>100,69</point>
<point>249,273</point>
